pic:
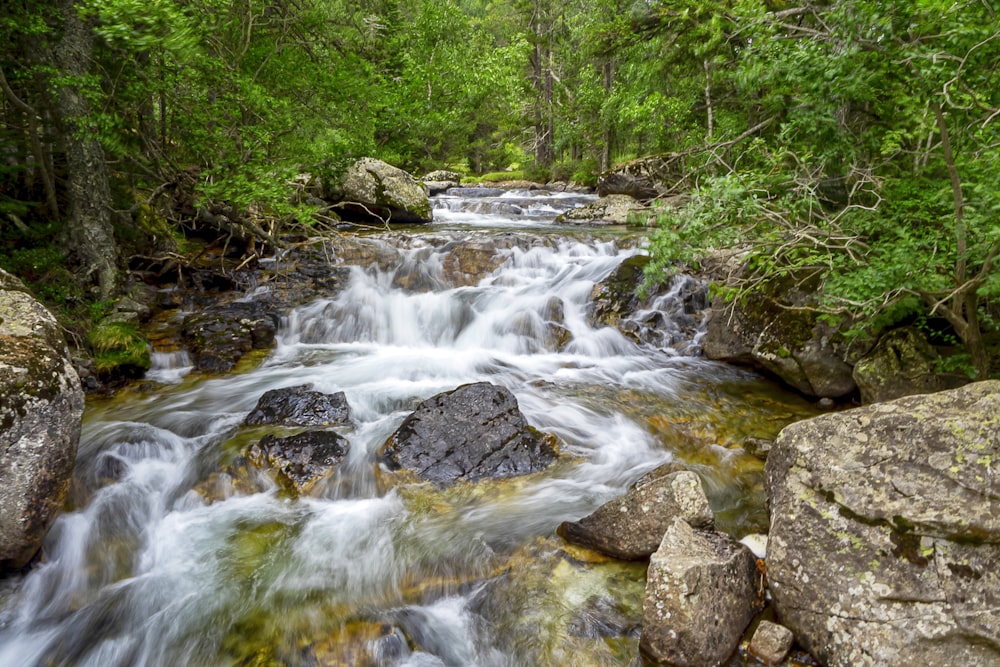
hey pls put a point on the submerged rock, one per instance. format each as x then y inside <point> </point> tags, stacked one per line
<point>300,406</point>
<point>299,461</point>
<point>631,527</point>
<point>41,408</point>
<point>473,432</point>
<point>885,531</point>
<point>702,592</point>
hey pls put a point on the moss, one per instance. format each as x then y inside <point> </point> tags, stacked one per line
<point>119,349</point>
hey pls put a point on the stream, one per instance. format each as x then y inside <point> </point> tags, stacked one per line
<point>173,552</point>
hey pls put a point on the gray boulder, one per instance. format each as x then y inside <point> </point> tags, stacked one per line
<point>609,210</point>
<point>41,407</point>
<point>771,643</point>
<point>631,527</point>
<point>777,329</point>
<point>901,364</point>
<point>441,180</point>
<point>300,406</point>
<point>373,189</point>
<point>473,432</point>
<point>702,591</point>
<point>644,178</point>
<point>885,531</point>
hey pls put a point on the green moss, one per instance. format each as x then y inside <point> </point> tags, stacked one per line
<point>119,348</point>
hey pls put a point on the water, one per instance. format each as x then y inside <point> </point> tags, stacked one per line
<point>173,553</point>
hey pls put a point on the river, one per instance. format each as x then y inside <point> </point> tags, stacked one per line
<point>167,556</point>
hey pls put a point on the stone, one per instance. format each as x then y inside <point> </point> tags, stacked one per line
<point>300,406</point>
<point>219,336</point>
<point>373,189</point>
<point>771,643</point>
<point>473,432</point>
<point>631,527</point>
<point>702,591</point>
<point>885,531</point>
<point>670,315</point>
<point>299,461</point>
<point>901,364</point>
<point>777,329</point>
<point>41,411</point>
<point>608,210</point>
<point>642,179</point>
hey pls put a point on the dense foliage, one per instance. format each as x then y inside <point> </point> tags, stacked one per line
<point>855,137</point>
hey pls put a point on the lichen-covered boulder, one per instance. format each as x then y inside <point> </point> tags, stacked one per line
<point>41,407</point>
<point>901,364</point>
<point>885,531</point>
<point>778,329</point>
<point>219,336</point>
<point>300,406</point>
<point>702,591</point>
<point>441,180</point>
<point>643,178</point>
<point>609,210</point>
<point>473,432</point>
<point>373,188</point>
<point>300,461</point>
<point>632,526</point>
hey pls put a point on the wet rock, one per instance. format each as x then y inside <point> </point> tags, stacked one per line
<point>609,210</point>
<point>901,364</point>
<point>776,329</point>
<point>701,594</point>
<point>219,336</point>
<point>41,408</point>
<point>885,531</point>
<point>372,189</point>
<point>759,447</point>
<point>299,461</point>
<point>576,613</point>
<point>669,316</point>
<point>702,591</point>
<point>473,432</point>
<point>300,406</point>
<point>771,643</point>
<point>469,262</point>
<point>631,527</point>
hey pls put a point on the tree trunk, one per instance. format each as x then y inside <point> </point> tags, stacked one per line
<point>87,186</point>
<point>608,72</point>
<point>541,65</point>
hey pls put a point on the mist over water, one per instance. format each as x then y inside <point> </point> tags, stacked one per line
<point>150,568</point>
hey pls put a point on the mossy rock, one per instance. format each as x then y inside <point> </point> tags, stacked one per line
<point>120,350</point>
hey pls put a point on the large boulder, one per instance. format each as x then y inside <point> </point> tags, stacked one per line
<point>609,210</point>
<point>901,364</point>
<point>702,591</point>
<point>41,407</point>
<point>885,531</point>
<point>473,432</point>
<point>643,179</point>
<point>778,329</point>
<point>372,188</point>
<point>441,181</point>
<point>632,526</point>
<point>300,406</point>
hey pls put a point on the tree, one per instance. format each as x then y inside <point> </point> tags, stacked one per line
<point>880,167</point>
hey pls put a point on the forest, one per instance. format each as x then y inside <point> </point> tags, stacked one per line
<point>853,139</point>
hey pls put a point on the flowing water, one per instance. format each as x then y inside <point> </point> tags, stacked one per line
<point>174,552</point>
